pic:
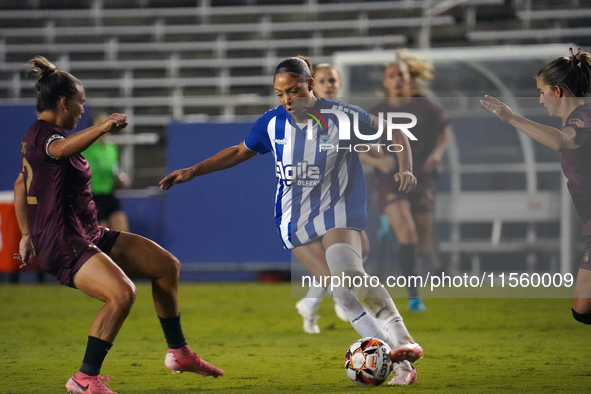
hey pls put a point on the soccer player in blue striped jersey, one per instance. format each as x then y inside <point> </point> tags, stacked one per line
<point>321,200</point>
<point>327,83</point>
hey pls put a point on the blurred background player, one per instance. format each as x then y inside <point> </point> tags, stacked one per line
<point>103,159</point>
<point>562,84</point>
<point>327,83</point>
<point>57,220</point>
<point>411,214</point>
<point>322,229</point>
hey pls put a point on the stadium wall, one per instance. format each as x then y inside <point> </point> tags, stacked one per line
<point>221,217</point>
<point>16,120</point>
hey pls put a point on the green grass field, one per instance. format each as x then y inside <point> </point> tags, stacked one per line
<point>253,332</point>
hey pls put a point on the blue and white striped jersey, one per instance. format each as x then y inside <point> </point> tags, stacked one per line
<point>319,188</point>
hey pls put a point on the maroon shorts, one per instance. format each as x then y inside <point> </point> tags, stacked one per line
<point>65,273</point>
<point>586,261</point>
<point>422,198</point>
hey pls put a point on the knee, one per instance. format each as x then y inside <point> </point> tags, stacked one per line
<point>124,297</point>
<point>365,248</point>
<point>170,267</point>
<point>584,318</point>
<point>174,265</point>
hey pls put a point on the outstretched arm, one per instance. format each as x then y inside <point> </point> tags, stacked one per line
<point>404,175</point>
<point>25,251</point>
<point>559,140</point>
<point>79,142</point>
<point>227,158</point>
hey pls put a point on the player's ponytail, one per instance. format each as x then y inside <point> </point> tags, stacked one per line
<point>52,84</point>
<point>420,68</point>
<point>570,73</point>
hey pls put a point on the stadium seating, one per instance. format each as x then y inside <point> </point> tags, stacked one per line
<point>161,61</point>
<point>158,62</point>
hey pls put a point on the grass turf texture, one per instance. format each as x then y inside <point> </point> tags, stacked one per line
<point>253,332</point>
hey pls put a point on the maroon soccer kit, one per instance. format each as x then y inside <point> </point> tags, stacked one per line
<point>576,165</point>
<point>62,214</point>
<point>431,122</point>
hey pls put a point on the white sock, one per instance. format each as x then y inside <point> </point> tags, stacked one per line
<point>344,261</point>
<point>363,322</point>
<point>314,297</point>
<point>315,291</point>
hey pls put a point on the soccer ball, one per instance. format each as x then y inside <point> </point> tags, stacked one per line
<point>367,362</point>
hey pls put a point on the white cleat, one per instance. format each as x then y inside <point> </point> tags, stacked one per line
<point>404,374</point>
<point>310,318</point>
<point>407,351</point>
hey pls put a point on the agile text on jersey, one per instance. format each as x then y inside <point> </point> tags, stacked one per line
<point>302,173</point>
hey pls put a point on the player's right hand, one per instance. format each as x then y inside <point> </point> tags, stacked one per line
<point>115,122</point>
<point>26,251</point>
<point>498,108</point>
<point>407,181</point>
<point>176,177</point>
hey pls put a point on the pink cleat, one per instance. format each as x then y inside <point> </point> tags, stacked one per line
<point>186,360</point>
<point>82,383</point>
<point>407,351</point>
<point>404,374</point>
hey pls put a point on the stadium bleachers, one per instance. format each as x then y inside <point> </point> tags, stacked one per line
<point>160,61</point>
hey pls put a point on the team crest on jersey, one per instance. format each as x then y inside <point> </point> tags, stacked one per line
<point>586,257</point>
<point>577,122</point>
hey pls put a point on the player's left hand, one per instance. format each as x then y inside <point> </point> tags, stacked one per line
<point>497,107</point>
<point>26,251</point>
<point>114,123</point>
<point>407,181</point>
<point>176,177</point>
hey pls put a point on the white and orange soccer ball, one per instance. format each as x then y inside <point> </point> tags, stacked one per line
<point>367,362</point>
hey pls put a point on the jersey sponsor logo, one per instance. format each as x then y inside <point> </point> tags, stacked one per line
<point>281,142</point>
<point>301,174</point>
<point>577,122</point>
